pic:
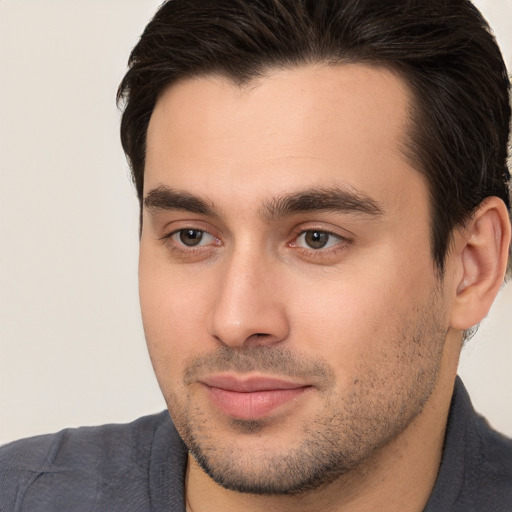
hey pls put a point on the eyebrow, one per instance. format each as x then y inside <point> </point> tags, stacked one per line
<point>334,199</point>
<point>166,199</point>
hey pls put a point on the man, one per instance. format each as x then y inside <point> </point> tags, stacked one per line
<point>325,215</point>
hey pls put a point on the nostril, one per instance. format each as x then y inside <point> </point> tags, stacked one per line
<point>259,338</point>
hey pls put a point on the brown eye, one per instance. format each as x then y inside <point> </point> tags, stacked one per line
<point>190,237</point>
<point>316,239</point>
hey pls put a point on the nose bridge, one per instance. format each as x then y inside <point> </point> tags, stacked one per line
<point>248,307</point>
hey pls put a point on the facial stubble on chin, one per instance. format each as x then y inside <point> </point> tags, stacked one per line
<point>342,435</point>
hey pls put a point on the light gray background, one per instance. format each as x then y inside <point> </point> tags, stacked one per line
<point>72,349</point>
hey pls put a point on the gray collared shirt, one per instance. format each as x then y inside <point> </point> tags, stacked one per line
<point>140,467</point>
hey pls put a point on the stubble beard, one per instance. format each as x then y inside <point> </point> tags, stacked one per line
<point>344,433</point>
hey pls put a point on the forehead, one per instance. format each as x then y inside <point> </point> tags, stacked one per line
<point>293,128</point>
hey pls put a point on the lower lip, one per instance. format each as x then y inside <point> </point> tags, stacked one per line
<point>252,405</point>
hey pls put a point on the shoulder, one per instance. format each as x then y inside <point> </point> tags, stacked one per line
<point>476,467</point>
<point>492,469</point>
<point>82,463</point>
<point>84,446</point>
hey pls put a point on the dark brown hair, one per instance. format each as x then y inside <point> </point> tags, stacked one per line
<point>442,48</point>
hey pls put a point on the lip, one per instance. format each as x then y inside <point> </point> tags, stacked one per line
<point>251,397</point>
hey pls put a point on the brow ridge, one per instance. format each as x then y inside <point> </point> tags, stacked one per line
<point>334,199</point>
<point>167,199</point>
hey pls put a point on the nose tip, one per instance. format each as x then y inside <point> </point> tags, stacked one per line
<point>251,327</point>
<point>249,309</point>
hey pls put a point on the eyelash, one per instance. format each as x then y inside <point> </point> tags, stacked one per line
<point>168,241</point>
<point>182,248</point>
<point>322,252</point>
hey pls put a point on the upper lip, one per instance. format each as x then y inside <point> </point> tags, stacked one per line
<point>249,384</point>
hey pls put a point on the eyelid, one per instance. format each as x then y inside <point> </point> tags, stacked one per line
<point>168,238</point>
<point>172,226</point>
<point>338,239</point>
<point>323,255</point>
<point>340,233</point>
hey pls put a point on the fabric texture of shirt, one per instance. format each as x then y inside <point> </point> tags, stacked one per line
<point>140,467</point>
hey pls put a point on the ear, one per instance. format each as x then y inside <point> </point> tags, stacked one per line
<point>481,255</point>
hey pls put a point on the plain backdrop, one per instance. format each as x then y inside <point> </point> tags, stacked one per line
<point>72,350</point>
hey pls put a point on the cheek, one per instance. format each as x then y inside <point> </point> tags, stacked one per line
<point>174,314</point>
<point>365,325</point>
<point>346,326</point>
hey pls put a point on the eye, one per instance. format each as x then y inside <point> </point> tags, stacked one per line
<point>192,237</point>
<point>316,239</point>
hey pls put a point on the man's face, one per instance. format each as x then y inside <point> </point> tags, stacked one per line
<point>289,300</point>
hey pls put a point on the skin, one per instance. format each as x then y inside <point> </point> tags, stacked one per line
<point>364,322</point>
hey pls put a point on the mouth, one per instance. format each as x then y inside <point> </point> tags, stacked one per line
<point>251,397</point>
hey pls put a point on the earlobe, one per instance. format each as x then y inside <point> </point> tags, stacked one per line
<point>482,261</point>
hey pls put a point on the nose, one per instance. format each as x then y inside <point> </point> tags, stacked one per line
<point>250,307</point>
